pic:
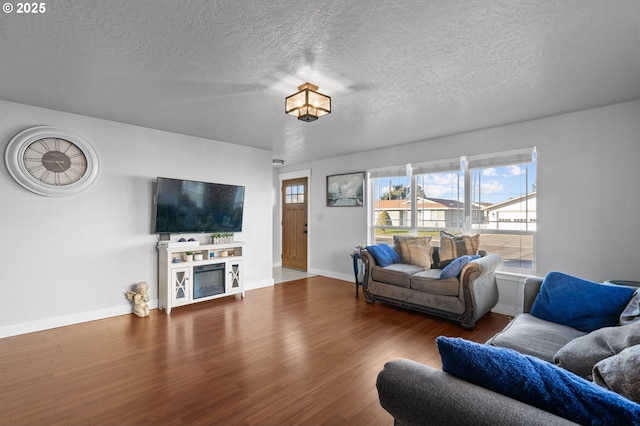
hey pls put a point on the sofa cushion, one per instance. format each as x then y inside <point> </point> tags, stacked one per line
<point>397,274</point>
<point>429,281</point>
<point>384,254</point>
<point>534,336</point>
<point>454,246</point>
<point>631,312</point>
<point>535,382</point>
<point>414,250</point>
<point>454,268</point>
<point>580,355</point>
<point>620,373</point>
<point>579,303</point>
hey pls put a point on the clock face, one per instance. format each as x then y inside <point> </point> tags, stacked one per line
<point>55,161</point>
<point>51,161</point>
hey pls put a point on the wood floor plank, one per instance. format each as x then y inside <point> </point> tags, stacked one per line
<point>304,352</point>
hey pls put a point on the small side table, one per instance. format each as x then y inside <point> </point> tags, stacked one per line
<point>357,266</point>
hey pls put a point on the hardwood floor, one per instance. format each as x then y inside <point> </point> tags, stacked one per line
<point>303,352</point>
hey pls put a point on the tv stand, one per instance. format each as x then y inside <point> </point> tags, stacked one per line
<point>216,273</point>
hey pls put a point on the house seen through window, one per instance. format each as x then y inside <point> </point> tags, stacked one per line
<point>493,195</point>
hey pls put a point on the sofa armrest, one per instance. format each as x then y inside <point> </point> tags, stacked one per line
<point>415,394</point>
<point>367,260</point>
<point>531,289</point>
<point>478,288</point>
<point>482,266</point>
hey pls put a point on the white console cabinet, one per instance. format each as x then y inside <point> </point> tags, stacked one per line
<point>215,271</point>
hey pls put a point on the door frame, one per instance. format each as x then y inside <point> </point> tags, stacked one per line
<point>286,176</point>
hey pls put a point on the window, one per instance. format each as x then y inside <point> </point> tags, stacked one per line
<point>391,203</point>
<point>439,197</point>
<point>494,195</point>
<point>294,194</point>
<point>503,206</point>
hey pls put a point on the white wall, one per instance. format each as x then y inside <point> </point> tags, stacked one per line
<point>276,213</point>
<point>588,201</point>
<point>67,260</point>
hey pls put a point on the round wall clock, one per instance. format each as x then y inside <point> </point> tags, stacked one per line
<point>51,161</point>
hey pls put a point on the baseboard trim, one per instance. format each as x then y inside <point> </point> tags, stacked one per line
<point>80,317</point>
<point>333,274</point>
<point>260,284</point>
<point>49,323</point>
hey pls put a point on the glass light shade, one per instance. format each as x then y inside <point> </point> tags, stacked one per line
<point>308,104</point>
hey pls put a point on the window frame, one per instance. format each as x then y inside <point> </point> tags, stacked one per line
<point>464,166</point>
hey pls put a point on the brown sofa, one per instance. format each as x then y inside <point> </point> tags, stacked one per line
<point>464,298</point>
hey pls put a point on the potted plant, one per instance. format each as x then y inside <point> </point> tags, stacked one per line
<point>188,256</point>
<point>222,237</point>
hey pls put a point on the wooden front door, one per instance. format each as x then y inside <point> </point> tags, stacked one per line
<point>294,224</point>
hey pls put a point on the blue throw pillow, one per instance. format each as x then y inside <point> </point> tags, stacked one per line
<point>536,382</point>
<point>578,303</point>
<point>384,255</point>
<point>454,268</point>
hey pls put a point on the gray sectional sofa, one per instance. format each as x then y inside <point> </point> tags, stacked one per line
<point>416,394</point>
<point>463,298</point>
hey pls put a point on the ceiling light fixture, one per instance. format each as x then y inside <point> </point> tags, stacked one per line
<point>307,104</point>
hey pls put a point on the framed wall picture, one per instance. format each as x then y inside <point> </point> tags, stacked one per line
<point>346,190</point>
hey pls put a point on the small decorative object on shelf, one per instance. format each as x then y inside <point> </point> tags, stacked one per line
<point>222,238</point>
<point>197,256</point>
<point>188,256</point>
<point>140,297</point>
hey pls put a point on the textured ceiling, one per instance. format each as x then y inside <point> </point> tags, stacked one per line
<point>397,71</point>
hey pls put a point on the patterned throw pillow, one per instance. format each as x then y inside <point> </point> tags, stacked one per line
<point>414,250</point>
<point>454,246</point>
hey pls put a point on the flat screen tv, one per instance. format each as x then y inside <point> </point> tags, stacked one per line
<point>185,206</point>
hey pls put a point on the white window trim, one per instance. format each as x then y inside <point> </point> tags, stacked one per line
<point>464,164</point>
